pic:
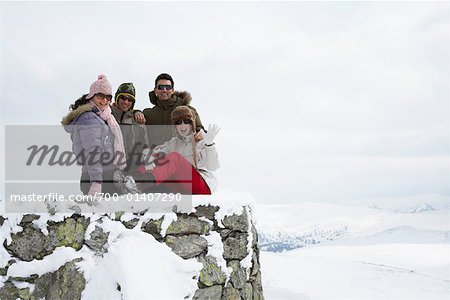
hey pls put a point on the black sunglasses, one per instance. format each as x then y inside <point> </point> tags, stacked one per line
<point>125,98</point>
<point>166,87</point>
<point>185,121</point>
<point>103,96</point>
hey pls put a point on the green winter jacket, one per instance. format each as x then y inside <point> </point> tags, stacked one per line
<point>160,115</point>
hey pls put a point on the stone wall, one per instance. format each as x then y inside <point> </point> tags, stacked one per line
<point>187,236</point>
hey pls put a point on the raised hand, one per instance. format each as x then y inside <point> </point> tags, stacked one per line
<point>213,130</point>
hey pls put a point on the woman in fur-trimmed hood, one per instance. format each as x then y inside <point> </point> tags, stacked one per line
<point>187,166</point>
<point>165,99</point>
<point>96,135</point>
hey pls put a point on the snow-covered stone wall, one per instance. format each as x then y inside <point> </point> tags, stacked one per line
<point>210,253</point>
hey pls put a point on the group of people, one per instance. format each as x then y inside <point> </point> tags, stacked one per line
<point>164,148</point>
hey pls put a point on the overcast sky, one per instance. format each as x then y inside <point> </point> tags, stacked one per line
<point>323,101</point>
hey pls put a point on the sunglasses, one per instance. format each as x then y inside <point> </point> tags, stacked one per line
<point>162,87</point>
<point>103,96</point>
<point>185,121</point>
<point>125,98</point>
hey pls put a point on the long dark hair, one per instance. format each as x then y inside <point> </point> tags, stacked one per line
<point>80,101</point>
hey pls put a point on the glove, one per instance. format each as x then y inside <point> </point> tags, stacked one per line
<point>147,156</point>
<point>95,188</point>
<point>148,159</point>
<point>213,130</point>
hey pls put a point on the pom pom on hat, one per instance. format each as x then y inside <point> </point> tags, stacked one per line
<point>100,86</point>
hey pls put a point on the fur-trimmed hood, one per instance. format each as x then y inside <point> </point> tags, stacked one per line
<point>185,96</point>
<point>76,113</point>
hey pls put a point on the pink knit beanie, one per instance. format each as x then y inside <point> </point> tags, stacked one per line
<point>101,86</point>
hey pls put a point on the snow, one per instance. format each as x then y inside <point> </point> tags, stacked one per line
<point>145,218</point>
<point>384,254</point>
<point>9,226</point>
<point>277,293</point>
<point>23,285</point>
<point>49,263</point>
<point>215,249</point>
<point>247,261</point>
<point>229,201</point>
<point>41,223</point>
<point>126,217</point>
<point>168,219</point>
<point>232,202</point>
<point>131,264</point>
<point>386,271</point>
<point>305,224</point>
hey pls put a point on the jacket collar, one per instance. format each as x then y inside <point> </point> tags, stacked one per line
<point>76,113</point>
<point>118,112</point>
<point>183,97</point>
<point>122,116</point>
<point>165,103</point>
<point>186,139</point>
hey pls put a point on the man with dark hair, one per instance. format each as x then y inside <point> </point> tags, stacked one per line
<point>164,76</point>
<point>165,99</point>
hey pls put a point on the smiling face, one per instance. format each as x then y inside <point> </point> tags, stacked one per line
<point>124,103</point>
<point>184,127</point>
<point>164,89</point>
<point>102,101</point>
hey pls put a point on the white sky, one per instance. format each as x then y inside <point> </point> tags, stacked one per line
<point>324,101</point>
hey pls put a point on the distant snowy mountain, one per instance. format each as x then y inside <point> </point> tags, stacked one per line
<point>287,227</point>
<point>422,207</point>
<point>385,251</point>
<point>285,240</point>
<point>414,204</point>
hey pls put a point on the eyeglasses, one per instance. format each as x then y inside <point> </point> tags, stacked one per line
<point>166,87</point>
<point>185,121</point>
<point>125,98</point>
<point>103,96</point>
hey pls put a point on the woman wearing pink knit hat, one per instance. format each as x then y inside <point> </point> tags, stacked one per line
<point>96,136</point>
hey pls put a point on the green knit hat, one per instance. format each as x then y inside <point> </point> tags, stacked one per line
<point>126,89</point>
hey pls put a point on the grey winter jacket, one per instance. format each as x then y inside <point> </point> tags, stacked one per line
<point>135,137</point>
<point>92,141</point>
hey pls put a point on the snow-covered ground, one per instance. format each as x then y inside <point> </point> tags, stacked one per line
<point>384,271</point>
<point>355,252</point>
<point>382,251</point>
